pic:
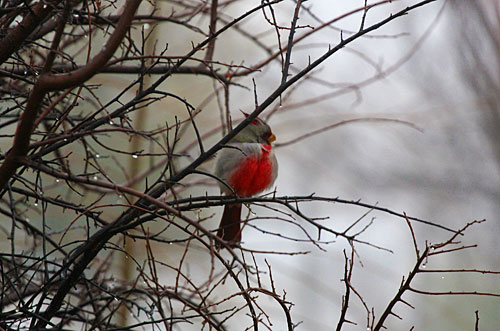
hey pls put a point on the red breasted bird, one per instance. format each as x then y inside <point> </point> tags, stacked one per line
<point>248,165</point>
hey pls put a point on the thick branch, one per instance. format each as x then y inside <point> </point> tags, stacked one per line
<point>49,82</point>
<point>22,137</point>
<point>53,82</point>
<point>17,35</point>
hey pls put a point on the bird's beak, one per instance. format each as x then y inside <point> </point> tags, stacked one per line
<point>271,138</point>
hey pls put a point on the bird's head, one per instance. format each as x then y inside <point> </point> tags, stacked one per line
<point>256,132</point>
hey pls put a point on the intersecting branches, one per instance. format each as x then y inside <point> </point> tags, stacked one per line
<point>450,246</point>
<point>69,196</point>
<point>447,247</point>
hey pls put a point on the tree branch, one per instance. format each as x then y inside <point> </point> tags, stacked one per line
<point>15,37</point>
<point>49,82</point>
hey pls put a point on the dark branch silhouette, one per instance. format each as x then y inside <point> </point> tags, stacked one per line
<point>88,86</point>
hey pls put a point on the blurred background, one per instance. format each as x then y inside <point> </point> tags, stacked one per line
<point>436,68</point>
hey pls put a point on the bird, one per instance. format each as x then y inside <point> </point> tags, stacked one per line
<point>248,166</point>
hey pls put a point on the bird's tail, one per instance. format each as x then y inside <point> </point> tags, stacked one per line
<point>229,228</point>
